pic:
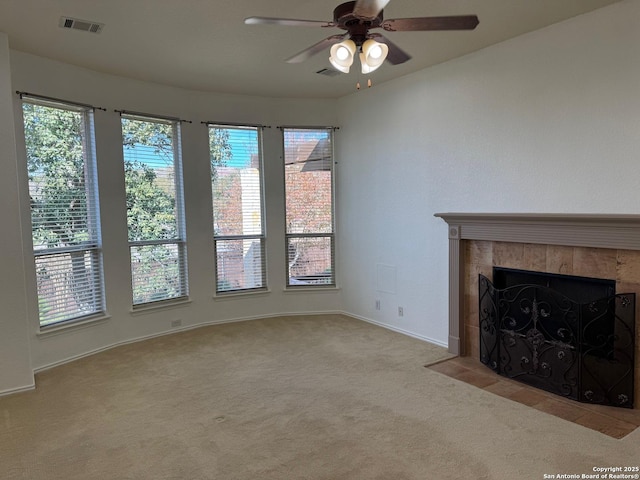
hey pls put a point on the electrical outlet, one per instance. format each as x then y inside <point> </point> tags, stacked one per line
<point>176,323</point>
<point>400,312</point>
<point>377,304</point>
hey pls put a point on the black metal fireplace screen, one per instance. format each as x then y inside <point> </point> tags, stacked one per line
<point>583,350</point>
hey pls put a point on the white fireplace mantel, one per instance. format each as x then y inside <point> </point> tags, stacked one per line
<point>576,230</point>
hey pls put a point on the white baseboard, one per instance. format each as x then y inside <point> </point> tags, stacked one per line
<point>398,330</point>
<point>49,366</point>
<point>12,391</point>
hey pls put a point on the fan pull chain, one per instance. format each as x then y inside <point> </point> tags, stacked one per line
<point>369,84</point>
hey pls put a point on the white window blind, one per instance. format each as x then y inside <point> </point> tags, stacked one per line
<point>153,181</point>
<point>308,166</point>
<point>64,210</point>
<point>236,183</point>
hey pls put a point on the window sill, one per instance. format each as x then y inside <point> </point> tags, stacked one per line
<point>146,308</point>
<point>52,330</point>
<point>241,293</point>
<point>307,289</point>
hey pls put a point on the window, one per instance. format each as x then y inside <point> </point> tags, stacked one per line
<point>308,168</point>
<point>236,184</point>
<point>64,210</point>
<point>153,181</point>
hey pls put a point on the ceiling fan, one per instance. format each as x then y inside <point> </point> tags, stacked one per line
<point>357,18</point>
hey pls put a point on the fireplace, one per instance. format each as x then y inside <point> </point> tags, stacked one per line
<point>587,245</point>
<point>569,335</point>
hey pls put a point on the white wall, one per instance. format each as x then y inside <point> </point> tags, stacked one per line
<point>547,122</point>
<point>15,363</point>
<point>50,78</point>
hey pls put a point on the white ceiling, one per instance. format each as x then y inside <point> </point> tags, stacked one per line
<point>204,44</point>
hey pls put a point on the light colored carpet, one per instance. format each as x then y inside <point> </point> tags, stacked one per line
<point>324,397</point>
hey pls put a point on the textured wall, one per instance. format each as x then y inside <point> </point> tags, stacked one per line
<point>546,122</point>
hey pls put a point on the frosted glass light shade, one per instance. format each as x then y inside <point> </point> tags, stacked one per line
<point>373,55</point>
<point>342,55</point>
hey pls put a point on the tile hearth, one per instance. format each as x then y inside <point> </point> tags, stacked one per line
<point>611,421</point>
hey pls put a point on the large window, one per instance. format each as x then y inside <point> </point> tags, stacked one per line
<point>308,167</point>
<point>153,180</point>
<point>236,183</point>
<point>64,210</point>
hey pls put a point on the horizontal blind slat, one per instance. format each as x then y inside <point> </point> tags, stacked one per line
<point>69,285</point>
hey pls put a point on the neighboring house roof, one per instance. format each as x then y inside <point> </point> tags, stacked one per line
<point>315,154</point>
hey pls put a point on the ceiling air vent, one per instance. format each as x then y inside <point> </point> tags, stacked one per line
<point>82,25</point>
<point>329,72</point>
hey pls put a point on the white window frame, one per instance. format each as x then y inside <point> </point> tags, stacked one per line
<point>93,246</point>
<point>180,242</point>
<point>317,281</point>
<point>261,237</point>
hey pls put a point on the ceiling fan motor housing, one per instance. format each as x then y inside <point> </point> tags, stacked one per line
<point>358,28</point>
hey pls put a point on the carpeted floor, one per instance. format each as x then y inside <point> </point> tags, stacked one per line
<point>324,397</point>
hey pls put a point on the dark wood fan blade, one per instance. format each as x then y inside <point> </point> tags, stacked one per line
<point>455,22</point>
<point>317,48</point>
<point>289,22</point>
<point>396,55</point>
<point>368,9</point>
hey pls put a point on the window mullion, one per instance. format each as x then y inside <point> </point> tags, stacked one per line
<point>164,241</point>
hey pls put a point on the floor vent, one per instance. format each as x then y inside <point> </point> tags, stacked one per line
<point>82,25</point>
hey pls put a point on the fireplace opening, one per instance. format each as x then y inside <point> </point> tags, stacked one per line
<point>569,335</point>
<point>578,289</point>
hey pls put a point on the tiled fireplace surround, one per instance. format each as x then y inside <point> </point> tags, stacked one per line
<point>602,246</point>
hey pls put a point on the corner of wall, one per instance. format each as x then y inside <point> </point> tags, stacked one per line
<point>16,373</point>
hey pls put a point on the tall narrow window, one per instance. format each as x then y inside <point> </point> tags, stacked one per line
<point>308,167</point>
<point>153,180</point>
<point>64,210</point>
<point>236,183</point>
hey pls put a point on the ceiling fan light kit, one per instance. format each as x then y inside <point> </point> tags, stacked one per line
<point>357,18</point>
<point>373,55</point>
<point>342,55</point>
